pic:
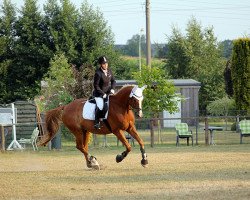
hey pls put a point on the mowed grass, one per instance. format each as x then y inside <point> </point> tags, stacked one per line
<point>199,172</point>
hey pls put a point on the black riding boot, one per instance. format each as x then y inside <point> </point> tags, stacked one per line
<point>97,117</point>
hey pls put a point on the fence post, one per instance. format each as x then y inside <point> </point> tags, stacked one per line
<point>237,124</point>
<point>206,131</point>
<point>196,125</point>
<point>152,132</point>
<point>2,138</point>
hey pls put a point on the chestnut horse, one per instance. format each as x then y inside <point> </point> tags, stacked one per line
<point>120,118</point>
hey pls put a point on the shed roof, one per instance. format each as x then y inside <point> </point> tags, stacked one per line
<point>177,82</point>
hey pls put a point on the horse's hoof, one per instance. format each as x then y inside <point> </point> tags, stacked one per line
<point>119,158</point>
<point>96,167</point>
<point>89,164</point>
<point>92,163</point>
<point>144,163</point>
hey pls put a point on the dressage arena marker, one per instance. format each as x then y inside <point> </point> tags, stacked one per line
<point>8,118</point>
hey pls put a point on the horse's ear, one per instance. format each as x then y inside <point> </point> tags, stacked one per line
<point>144,87</point>
<point>133,90</point>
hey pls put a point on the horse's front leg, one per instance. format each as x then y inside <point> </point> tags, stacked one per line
<point>133,132</point>
<point>119,134</point>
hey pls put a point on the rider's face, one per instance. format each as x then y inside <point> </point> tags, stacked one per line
<point>104,66</point>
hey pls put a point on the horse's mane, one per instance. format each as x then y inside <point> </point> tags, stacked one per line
<point>124,88</point>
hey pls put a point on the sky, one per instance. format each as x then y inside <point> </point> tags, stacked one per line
<point>230,19</point>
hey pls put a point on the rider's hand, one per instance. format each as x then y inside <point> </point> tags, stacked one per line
<point>104,96</point>
<point>112,91</point>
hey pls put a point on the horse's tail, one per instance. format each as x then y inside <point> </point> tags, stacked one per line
<point>53,119</point>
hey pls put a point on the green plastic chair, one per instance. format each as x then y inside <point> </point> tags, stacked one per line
<point>183,132</point>
<point>244,126</point>
<point>32,139</point>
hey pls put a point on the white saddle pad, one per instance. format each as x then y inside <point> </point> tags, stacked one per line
<point>89,111</point>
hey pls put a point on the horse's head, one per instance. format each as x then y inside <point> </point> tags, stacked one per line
<point>136,98</point>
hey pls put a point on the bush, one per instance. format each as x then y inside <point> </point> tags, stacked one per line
<point>233,127</point>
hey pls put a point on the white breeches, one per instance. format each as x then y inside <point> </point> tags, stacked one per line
<point>99,102</point>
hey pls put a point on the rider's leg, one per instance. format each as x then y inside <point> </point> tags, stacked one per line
<point>99,108</point>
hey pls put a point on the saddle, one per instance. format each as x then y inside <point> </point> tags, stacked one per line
<point>90,106</point>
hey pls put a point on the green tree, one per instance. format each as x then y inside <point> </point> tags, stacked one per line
<point>227,46</point>
<point>30,51</point>
<point>82,35</point>
<point>132,46</point>
<point>160,94</point>
<point>52,23</point>
<point>69,38</point>
<point>228,79</point>
<point>221,107</point>
<point>95,36</point>
<point>58,82</point>
<point>197,55</point>
<point>161,50</point>
<point>241,73</point>
<point>63,24</point>
<point>83,86</point>
<point>177,60</point>
<point>7,21</point>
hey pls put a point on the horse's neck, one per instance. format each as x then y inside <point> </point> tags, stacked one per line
<point>121,98</point>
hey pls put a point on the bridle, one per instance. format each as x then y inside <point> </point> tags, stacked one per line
<point>131,107</point>
<point>136,93</point>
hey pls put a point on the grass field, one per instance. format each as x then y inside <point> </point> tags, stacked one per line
<point>199,172</point>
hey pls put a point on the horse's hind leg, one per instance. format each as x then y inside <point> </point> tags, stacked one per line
<point>133,132</point>
<point>120,136</point>
<point>82,145</point>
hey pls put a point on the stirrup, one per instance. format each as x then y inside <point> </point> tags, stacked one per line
<point>97,126</point>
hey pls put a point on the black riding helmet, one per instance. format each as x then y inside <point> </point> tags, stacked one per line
<point>102,60</point>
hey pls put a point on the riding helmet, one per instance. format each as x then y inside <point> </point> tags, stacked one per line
<point>102,60</point>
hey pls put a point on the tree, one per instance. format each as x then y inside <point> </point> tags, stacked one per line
<point>221,107</point>
<point>132,46</point>
<point>177,60</point>
<point>95,36</point>
<point>58,82</point>
<point>83,86</point>
<point>160,94</point>
<point>241,73</point>
<point>81,35</point>
<point>63,27</point>
<point>52,23</point>
<point>31,55</point>
<point>161,50</point>
<point>227,46</point>
<point>7,22</point>
<point>228,79</point>
<point>197,55</point>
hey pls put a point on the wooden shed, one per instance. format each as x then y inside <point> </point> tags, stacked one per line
<point>189,89</point>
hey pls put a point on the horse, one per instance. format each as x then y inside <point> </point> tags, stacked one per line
<point>120,119</point>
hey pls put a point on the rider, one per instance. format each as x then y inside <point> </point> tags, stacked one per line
<point>104,84</point>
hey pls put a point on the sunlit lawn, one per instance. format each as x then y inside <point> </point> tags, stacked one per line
<point>199,172</point>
